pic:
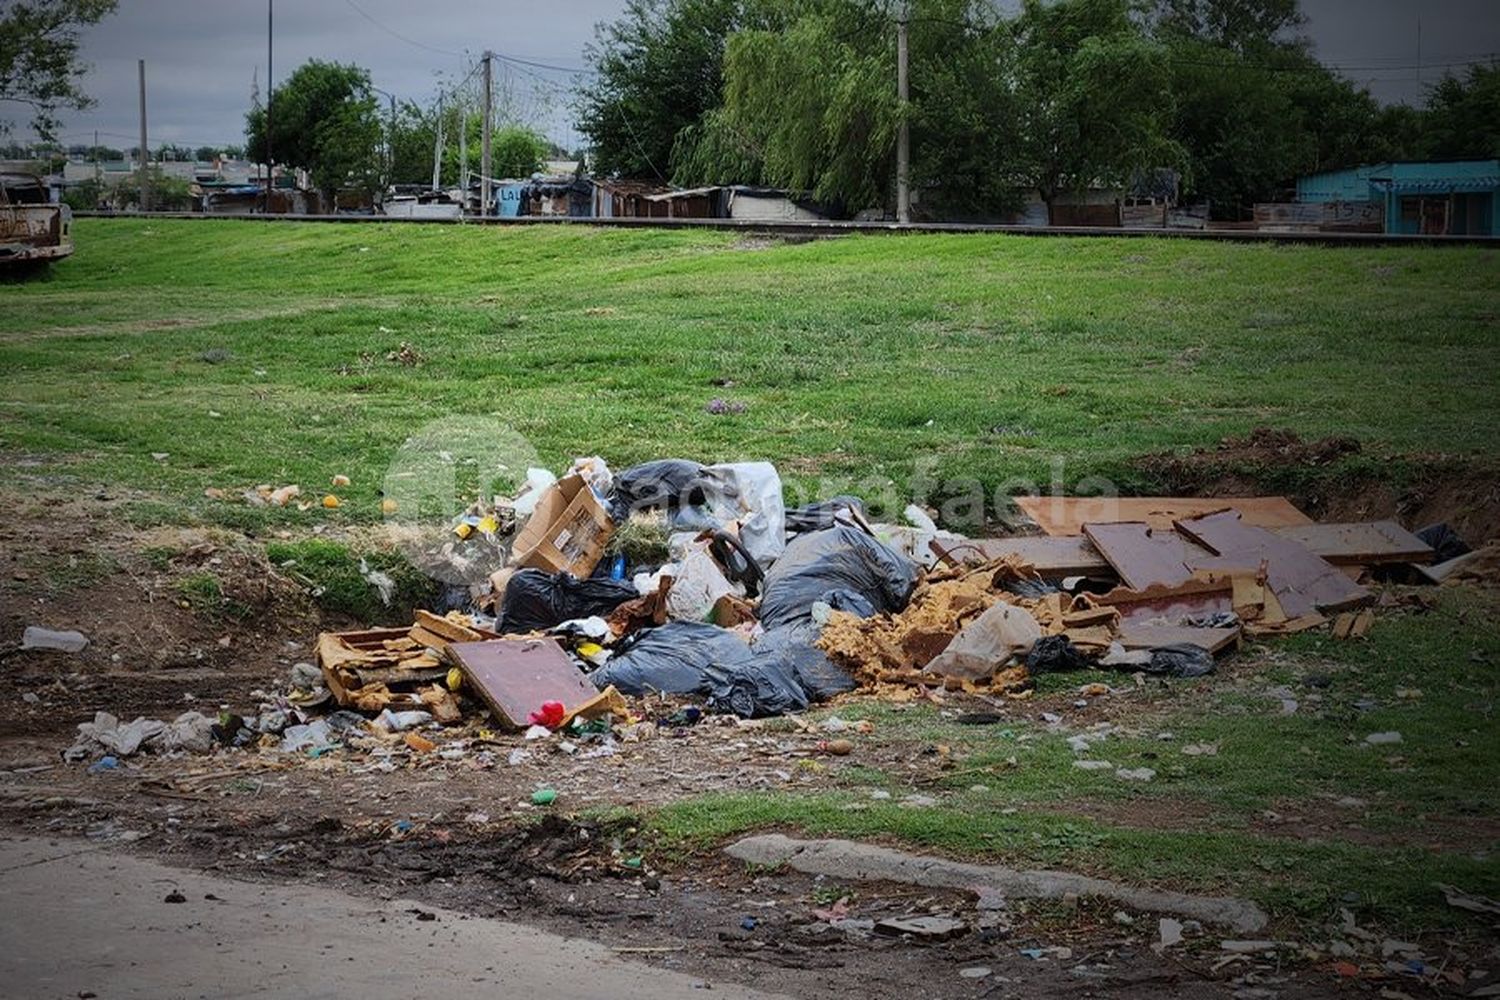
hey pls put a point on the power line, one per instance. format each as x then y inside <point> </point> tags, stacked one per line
<point>396,34</point>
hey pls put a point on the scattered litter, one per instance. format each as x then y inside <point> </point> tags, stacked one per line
<point>1169,932</point>
<point>1456,897</point>
<point>923,928</point>
<point>68,641</point>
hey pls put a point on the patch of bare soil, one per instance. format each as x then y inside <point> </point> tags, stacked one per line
<point>1336,479</point>
<point>176,619</point>
<point>462,844</point>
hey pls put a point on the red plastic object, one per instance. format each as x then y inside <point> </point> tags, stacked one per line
<point>550,716</point>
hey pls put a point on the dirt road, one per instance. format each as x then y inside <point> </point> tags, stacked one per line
<point>80,922</point>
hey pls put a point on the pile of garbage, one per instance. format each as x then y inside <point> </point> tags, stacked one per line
<point>678,580</point>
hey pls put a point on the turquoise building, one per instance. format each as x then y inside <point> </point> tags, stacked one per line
<point>1441,198</point>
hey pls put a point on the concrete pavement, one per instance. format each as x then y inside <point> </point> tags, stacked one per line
<point>76,921</point>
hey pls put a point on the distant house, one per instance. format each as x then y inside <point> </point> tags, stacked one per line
<point>770,205</point>
<point>1440,198</point>
<point>625,199</point>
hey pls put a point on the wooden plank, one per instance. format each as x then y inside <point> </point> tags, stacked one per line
<point>1142,555</point>
<point>1068,515</point>
<point>1049,556</point>
<point>1301,581</point>
<point>1205,593</point>
<point>515,676</point>
<point>1359,543</point>
<point>1143,636</point>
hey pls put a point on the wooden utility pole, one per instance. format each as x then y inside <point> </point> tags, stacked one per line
<point>145,199</point>
<point>903,132</point>
<point>270,99</point>
<point>484,154</point>
<point>437,149</point>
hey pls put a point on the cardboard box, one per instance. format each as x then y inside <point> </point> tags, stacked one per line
<point>567,531</point>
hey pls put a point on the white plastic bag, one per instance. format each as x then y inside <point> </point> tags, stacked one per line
<point>537,482</point>
<point>749,493</point>
<point>697,585</point>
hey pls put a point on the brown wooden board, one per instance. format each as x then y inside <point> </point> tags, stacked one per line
<point>1360,543</point>
<point>1049,556</point>
<point>515,676</point>
<point>1143,636</point>
<point>1068,515</point>
<point>1143,555</point>
<point>1208,594</point>
<point>1301,581</point>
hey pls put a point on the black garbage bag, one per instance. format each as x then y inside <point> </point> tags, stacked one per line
<point>1184,660</point>
<point>535,599</point>
<point>782,671</point>
<point>1053,654</point>
<point>821,515</point>
<point>666,482</point>
<point>819,676</point>
<point>677,658</point>
<point>840,566</point>
<point>1444,541</point>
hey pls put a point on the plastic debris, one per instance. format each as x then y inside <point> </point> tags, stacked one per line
<point>68,641</point>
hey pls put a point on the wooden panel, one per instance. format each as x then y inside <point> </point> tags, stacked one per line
<point>1068,515</point>
<point>1143,555</point>
<point>1301,581</point>
<point>1142,636</point>
<point>1359,543</point>
<point>1049,556</point>
<point>1208,594</point>
<point>515,676</point>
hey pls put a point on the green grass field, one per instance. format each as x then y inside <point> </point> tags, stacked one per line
<point>255,353</point>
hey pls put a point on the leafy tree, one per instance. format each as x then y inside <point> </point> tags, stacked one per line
<point>326,120</point>
<point>826,125</point>
<point>811,105</point>
<point>413,139</point>
<point>1243,26</point>
<point>85,196</point>
<point>39,64</point>
<point>168,194</point>
<point>516,151</point>
<point>205,154</point>
<point>1463,115</point>
<point>658,69</point>
<point>1094,95</point>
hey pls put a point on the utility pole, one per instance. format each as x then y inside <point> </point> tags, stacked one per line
<point>484,154</point>
<point>145,199</point>
<point>463,151</point>
<point>437,151</point>
<point>903,133</point>
<point>96,157</point>
<point>270,99</point>
<point>390,147</point>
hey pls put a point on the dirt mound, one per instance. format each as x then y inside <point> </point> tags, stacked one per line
<point>1338,479</point>
<point>1263,446</point>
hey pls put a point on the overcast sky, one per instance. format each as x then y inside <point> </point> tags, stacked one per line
<point>202,55</point>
